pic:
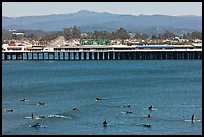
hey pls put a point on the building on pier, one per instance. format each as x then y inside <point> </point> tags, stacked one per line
<point>95,48</point>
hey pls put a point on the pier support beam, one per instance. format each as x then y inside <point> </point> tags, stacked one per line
<point>90,55</point>
<point>106,55</point>
<point>79,55</point>
<point>74,55</point>
<point>95,56</point>
<point>110,55</point>
<point>100,55</point>
<point>85,56</point>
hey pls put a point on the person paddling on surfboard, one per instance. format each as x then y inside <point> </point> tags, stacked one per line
<point>23,99</point>
<point>9,110</point>
<point>35,125</point>
<point>150,108</point>
<point>147,116</point>
<point>98,98</point>
<point>147,125</point>
<point>75,109</point>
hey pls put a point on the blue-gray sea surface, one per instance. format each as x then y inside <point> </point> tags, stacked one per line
<point>172,87</point>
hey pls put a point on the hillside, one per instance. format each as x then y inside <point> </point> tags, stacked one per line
<point>91,21</point>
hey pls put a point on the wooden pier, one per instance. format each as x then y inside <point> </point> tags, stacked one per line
<point>103,55</point>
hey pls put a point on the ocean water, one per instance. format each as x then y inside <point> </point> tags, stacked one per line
<point>172,87</point>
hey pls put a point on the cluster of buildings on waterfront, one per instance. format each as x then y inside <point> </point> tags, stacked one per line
<point>60,42</point>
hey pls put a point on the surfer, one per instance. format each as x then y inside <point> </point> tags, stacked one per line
<point>40,103</point>
<point>105,123</point>
<point>97,98</point>
<point>23,99</point>
<point>9,110</point>
<point>36,124</point>
<point>128,112</point>
<point>150,107</point>
<point>126,106</point>
<point>146,125</point>
<point>192,118</point>
<point>75,109</point>
<point>42,116</point>
<point>147,116</point>
<point>32,115</point>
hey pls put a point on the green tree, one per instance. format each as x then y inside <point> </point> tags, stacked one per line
<point>76,32</point>
<point>122,34</point>
<point>70,33</point>
<point>67,33</point>
<point>168,35</point>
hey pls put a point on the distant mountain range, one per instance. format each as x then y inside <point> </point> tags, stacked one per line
<point>90,21</point>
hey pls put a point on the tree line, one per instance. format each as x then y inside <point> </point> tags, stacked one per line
<point>75,33</point>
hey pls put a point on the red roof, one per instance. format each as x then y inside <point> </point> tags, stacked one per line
<point>12,44</point>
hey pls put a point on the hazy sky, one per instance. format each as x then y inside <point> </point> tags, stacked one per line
<point>16,9</point>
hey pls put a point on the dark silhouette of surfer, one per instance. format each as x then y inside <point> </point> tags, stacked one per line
<point>105,123</point>
<point>147,116</point>
<point>192,118</point>
<point>147,125</point>
<point>150,107</point>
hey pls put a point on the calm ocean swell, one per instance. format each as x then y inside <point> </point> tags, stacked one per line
<point>172,87</point>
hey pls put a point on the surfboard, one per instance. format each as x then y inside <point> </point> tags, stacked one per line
<point>144,125</point>
<point>35,117</point>
<point>23,100</point>
<point>57,116</point>
<point>126,112</point>
<point>8,110</point>
<point>41,104</point>
<point>196,120</point>
<point>151,109</point>
<point>40,126</point>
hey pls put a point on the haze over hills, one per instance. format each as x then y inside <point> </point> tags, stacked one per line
<point>90,21</point>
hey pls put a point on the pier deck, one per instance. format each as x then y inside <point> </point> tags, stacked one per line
<point>104,54</point>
